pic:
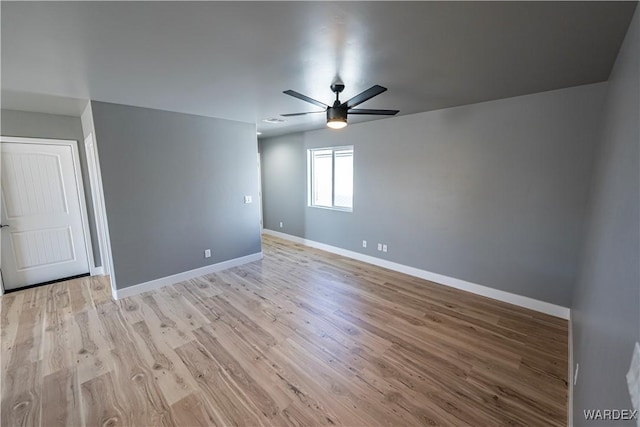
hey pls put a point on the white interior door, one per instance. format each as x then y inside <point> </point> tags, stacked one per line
<point>43,238</point>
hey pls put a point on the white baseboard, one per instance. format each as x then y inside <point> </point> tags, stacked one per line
<point>570,378</point>
<point>508,297</point>
<point>181,277</point>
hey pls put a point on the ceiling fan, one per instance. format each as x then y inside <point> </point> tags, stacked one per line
<point>337,113</point>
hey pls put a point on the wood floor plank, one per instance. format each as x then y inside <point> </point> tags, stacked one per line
<point>352,391</point>
<point>79,295</point>
<point>146,404</point>
<point>296,415</point>
<point>89,346</point>
<point>254,362</point>
<point>192,411</point>
<point>248,386</point>
<point>61,399</point>
<point>180,308</point>
<point>226,402</point>
<point>302,337</point>
<point>324,405</point>
<point>131,309</point>
<point>28,340</point>
<point>21,395</point>
<point>103,403</point>
<point>172,377</point>
<point>99,290</point>
<point>173,331</point>
<point>57,335</point>
<point>10,310</point>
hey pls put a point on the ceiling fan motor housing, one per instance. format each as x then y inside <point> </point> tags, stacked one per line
<point>337,113</point>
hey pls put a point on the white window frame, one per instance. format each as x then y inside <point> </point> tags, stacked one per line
<point>333,207</point>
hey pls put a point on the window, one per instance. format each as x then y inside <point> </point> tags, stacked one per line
<point>331,178</point>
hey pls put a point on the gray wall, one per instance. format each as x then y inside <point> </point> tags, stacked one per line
<point>173,187</point>
<point>606,301</point>
<point>284,169</point>
<point>39,125</point>
<point>493,193</point>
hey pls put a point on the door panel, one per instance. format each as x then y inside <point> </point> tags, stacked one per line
<point>35,184</point>
<point>40,204</point>
<point>39,248</point>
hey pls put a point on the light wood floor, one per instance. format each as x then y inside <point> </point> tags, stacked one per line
<point>302,337</point>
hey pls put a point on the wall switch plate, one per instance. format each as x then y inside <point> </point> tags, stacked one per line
<point>379,246</point>
<point>207,253</point>
<point>384,248</point>
<point>280,224</point>
<point>364,243</point>
<point>633,378</point>
<point>247,199</point>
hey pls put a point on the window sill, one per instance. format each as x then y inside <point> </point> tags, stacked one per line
<point>330,208</point>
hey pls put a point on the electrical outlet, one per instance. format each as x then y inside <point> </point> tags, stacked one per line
<point>364,243</point>
<point>247,199</point>
<point>384,248</point>
<point>379,246</point>
<point>575,374</point>
<point>280,224</point>
<point>207,253</point>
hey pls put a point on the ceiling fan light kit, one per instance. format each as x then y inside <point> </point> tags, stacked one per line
<point>336,117</point>
<point>337,114</point>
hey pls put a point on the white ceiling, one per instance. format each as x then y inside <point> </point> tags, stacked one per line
<point>232,60</point>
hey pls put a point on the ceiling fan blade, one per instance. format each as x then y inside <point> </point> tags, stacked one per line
<point>364,96</point>
<point>374,112</point>
<point>305,98</point>
<point>300,114</point>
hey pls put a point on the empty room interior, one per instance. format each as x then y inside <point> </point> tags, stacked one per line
<point>352,213</point>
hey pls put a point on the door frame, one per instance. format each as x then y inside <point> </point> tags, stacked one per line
<point>73,144</point>
<point>97,196</point>
<point>260,191</point>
